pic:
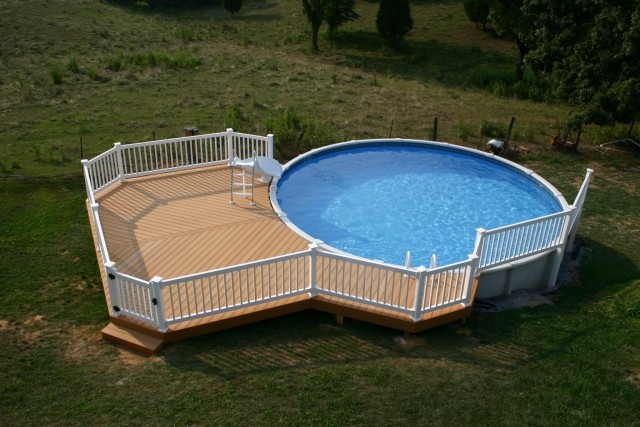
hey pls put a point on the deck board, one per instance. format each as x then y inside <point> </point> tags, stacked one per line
<point>182,223</point>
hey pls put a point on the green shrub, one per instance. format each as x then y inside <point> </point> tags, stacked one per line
<point>115,62</point>
<point>235,119</point>
<point>492,129</point>
<point>72,64</point>
<point>295,134</point>
<point>184,60</point>
<point>55,72</point>
<point>186,34</point>
<point>500,83</point>
<point>464,131</point>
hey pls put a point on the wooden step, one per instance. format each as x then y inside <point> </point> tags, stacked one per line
<point>132,339</point>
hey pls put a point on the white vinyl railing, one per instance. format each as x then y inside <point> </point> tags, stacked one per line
<point>245,285</point>
<point>415,292</point>
<point>512,242</point>
<point>168,155</point>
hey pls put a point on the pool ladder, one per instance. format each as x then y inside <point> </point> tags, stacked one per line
<point>242,178</point>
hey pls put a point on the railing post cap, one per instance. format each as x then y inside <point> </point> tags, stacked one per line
<point>84,161</point>
<point>156,279</point>
<point>480,230</point>
<point>313,246</point>
<point>110,264</point>
<point>229,129</point>
<point>117,144</point>
<point>421,268</point>
<point>95,205</point>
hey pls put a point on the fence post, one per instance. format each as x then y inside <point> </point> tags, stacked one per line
<point>120,161</point>
<point>114,294</point>
<point>230,151</point>
<point>158,302</point>
<point>421,274</point>
<point>577,213</point>
<point>434,137</point>
<point>270,146</point>
<point>474,260</point>
<point>479,247</point>
<point>87,181</point>
<point>313,251</point>
<point>558,254</point>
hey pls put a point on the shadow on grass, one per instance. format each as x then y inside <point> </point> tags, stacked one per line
<point>420,60</point>
<point>505,340</point>
<point>186,12</point>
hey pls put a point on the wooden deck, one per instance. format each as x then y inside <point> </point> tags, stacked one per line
<point>182,223</point>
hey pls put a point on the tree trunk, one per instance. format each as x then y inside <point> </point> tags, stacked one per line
<point>522,52</point>
<point>314,37</point>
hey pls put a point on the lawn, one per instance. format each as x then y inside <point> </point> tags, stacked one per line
<point>75,77</point>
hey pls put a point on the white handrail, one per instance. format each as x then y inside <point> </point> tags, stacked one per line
<point>517,241</point>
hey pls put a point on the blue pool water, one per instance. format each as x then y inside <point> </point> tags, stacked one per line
<point>380,201</point>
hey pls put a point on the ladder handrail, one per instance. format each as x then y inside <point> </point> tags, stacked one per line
<point>244,174</point>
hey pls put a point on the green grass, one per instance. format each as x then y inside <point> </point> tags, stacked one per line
<point>576,362</point>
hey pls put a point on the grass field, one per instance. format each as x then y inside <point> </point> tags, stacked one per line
<point>106,71</point>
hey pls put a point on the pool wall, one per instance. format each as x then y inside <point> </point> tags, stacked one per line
<point>538,271</point>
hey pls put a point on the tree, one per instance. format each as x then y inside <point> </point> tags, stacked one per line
<point>394,20</point>
<point>591,51</point>
<point>232,6</point>
<point>509,21</point>
<point>333,12</point>
<point>314,10</point>
<point>477,11</point>
<point>339,12</point>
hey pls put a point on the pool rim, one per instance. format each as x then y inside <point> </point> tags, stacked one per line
<point>444,146</point>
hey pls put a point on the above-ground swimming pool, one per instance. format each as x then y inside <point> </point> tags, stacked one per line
<point>379,199</point>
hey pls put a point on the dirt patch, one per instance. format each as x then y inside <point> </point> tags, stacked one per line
<point>634,379</point>
<point>34,320</point>
<point>82,343</point>
<point>409,342</point>
<point>129,357</point>
<point>4,324</point>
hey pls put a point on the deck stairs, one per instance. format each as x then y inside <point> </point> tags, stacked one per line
<point>132,338</point>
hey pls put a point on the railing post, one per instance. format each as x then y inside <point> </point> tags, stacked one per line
<point>421,274</point>
<point>158,302</point>
<point>313,252</point>
<point>230,145</point>
<point>104,253</point>
<point>474,261</point>
<point>558,254</point>
<point>577,214</point>
<point>87,181</point>
<point>479,245</point>
<point>270,146</point>
<point>120,161</point>
<point>114,294</point>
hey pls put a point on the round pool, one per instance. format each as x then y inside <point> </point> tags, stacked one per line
<point>378,199</point>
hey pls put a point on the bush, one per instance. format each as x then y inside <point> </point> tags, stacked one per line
<point>72,65</point>
<point>493,130</point>
<point>235,119</point>
<point>295,134</point>
<point>500,83</point>
<point>55,72</point>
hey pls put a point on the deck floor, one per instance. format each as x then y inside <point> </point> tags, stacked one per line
<point>181,223</point>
